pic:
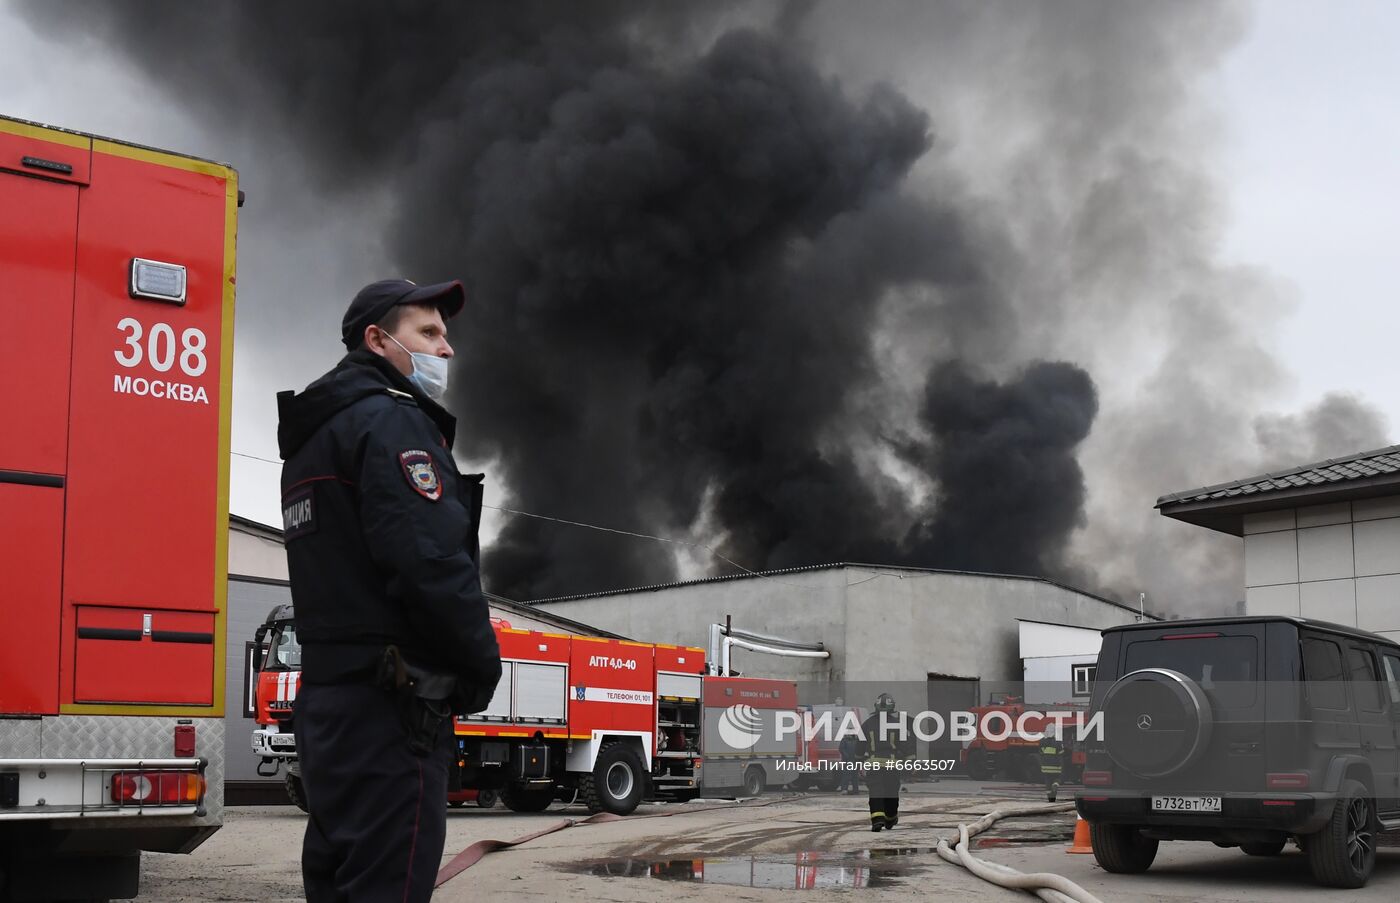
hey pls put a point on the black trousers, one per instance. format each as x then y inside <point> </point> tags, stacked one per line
<point>884,794</point>
<point>378,812</point>
<point>850,773</point>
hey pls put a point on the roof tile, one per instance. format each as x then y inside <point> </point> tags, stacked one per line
<point>1355,467</point>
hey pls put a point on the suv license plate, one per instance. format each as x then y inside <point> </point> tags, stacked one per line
<point>1186,804</point>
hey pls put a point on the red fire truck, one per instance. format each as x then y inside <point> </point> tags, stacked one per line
<point>740,741</point>
<point>1001,750</point>
<point>611,721</point>
<point>821,755</point>
<point>608,721</point>
<point>279,678</point>
<point>117,286</point>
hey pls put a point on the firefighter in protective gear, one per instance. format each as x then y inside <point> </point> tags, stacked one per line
<point>381,539</point>
<point>888,742</point>
<point>1051,763</point>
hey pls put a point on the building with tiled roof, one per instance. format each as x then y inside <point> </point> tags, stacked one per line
<point>1321,540</point>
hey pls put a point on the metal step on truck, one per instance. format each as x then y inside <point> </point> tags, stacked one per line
<point>117,281</point>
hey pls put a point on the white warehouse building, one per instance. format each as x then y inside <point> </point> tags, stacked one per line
<point>880,624</point>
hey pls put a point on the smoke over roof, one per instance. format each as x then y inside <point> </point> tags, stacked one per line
<point>810,282</point>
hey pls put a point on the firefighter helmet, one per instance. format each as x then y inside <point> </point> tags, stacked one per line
<point>884,703</point>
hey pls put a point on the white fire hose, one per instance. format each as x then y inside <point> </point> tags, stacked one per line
<point>1045,885</point>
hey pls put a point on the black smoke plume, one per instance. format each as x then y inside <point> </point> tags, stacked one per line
<point>716,291</point>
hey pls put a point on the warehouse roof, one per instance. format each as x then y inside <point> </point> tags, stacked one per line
<point>1223,506</point>
<point>749,575</point>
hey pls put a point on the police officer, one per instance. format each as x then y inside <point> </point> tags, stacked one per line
<point>886,747</point>
<point>381,534</point>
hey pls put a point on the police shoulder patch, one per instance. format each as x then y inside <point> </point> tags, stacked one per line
<point>298,513</point>
<point>421,473</point>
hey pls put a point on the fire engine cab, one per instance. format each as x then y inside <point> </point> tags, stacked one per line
<point>117,286</point>
<point>609,722</point>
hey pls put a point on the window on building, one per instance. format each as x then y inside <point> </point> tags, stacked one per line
<point>1084,679</point>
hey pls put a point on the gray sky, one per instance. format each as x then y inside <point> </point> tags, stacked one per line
<point>1304,137</point>
<point>1312,168</point>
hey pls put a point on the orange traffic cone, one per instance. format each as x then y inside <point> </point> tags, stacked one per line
<point>1083,841</point>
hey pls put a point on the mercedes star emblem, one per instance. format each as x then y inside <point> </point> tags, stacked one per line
<point>1144,722</point>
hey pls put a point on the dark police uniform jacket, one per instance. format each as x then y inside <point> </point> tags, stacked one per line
<point>381,532</point>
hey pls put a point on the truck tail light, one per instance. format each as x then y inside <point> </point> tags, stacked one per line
<point>158,788</point>
<point>1287,781</point>
<point>1098,779</point>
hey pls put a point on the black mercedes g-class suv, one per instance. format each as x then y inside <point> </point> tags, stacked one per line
<point>1246,732</point>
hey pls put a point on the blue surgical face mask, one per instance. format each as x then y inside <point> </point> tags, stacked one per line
<point>429,371</point>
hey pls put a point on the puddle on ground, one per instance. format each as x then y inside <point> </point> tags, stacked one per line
<point>1027,837</point>
<point>798,871</point>
<point>990,843</point>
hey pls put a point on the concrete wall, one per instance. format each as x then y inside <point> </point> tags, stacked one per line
<point>960,625</point>
<point>880,624</point>
<point>1049,655</point>
<point>1337,563</point>
<point>1047,640</point>
<point>248,604</point>
<point>251,555</point>
<point>807,606</point>
<point>1051,679</point>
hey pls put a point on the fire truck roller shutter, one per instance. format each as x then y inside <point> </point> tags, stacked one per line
<point>499,709</point>
<point>540,692</point>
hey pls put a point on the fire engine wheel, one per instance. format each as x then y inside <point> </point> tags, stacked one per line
<point>755,781</point>
<point>527,799</point>
<point>617,782</point>
<point>295,791</point>
<point>487,799</point>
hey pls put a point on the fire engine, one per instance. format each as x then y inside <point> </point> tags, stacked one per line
<point>821,754</point>
<point>117,286</point>
<point>740,744</point>
<point>278,679</point>
<point>609,722</point>
<point>1010,752</point>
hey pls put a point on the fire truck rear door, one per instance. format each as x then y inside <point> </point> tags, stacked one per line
<point>39,185</point>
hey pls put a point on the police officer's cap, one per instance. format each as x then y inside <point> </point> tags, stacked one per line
<point>375,300</point>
